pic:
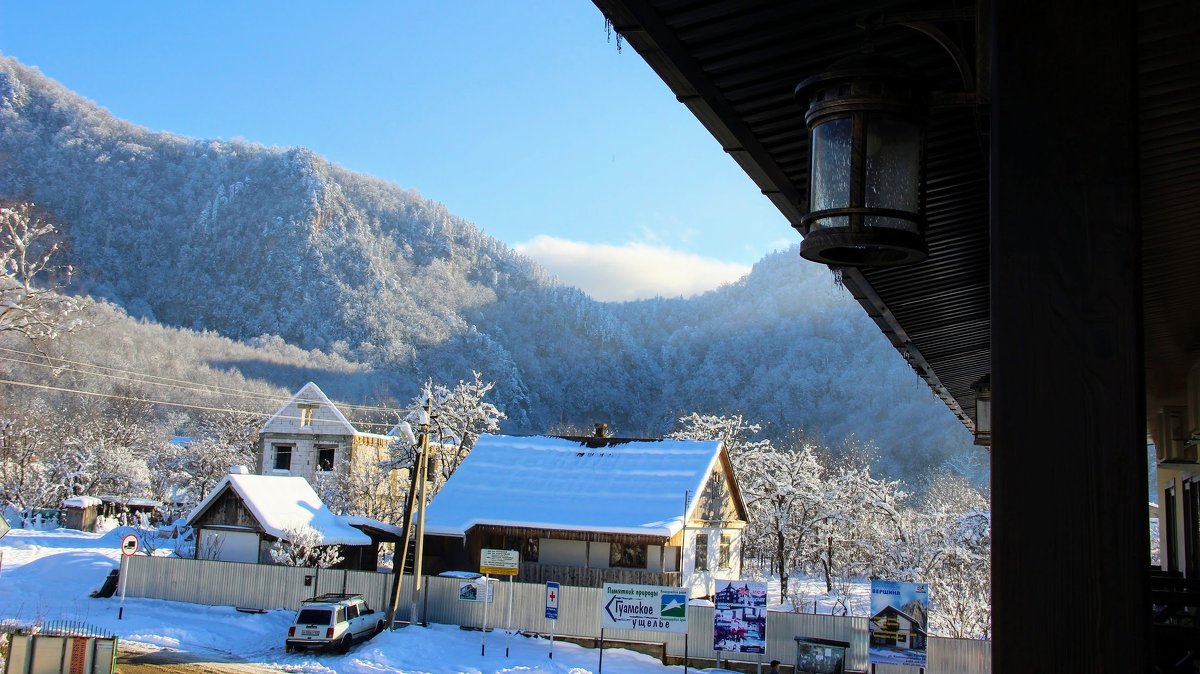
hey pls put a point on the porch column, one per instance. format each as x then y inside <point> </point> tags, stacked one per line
<point>1070,531</point>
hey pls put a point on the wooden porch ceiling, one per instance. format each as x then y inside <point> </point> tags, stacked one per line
<point>735,64</point>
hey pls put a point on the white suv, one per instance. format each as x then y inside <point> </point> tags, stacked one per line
<point>333,621</point>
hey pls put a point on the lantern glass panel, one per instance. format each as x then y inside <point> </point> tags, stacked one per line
<point>893,157</point>
<point>983,416</point>
<point>831,143</point>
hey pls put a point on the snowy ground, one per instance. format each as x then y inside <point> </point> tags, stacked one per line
<point>48,575</point>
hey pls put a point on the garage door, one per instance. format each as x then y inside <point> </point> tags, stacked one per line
<point>229,546</point>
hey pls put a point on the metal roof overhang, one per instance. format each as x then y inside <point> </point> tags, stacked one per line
<point>735,64</point>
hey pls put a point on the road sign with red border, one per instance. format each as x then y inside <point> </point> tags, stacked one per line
<point>129,545</point>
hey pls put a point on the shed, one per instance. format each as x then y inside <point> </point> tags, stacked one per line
<point>80,512</point>
<point>244,515</point>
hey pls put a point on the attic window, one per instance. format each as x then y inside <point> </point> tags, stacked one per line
<point>306,413</point>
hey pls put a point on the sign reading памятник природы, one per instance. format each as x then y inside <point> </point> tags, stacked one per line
<point>645,608</point>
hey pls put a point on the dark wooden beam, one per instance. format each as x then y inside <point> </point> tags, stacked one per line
<point>1070,536</point>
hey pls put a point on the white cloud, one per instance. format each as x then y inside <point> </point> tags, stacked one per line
<point>630,271</point>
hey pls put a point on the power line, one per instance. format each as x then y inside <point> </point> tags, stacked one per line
<point>114,396</point>
<point>170,381</point>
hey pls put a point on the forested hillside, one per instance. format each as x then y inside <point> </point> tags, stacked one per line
<point>279,249</point>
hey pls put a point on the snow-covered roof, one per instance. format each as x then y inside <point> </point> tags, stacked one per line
<point>328,415</point>
<point>282,502</point>
<point>580,484</point>
<point>359,521</point>
<point>81,502</point>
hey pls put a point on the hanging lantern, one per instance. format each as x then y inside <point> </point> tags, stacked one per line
<point>866,120</point>
<point>983,410</point>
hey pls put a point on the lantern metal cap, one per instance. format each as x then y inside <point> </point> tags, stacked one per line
<point>859,66</point>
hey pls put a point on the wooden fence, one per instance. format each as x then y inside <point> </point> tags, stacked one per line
<point>271,587</point>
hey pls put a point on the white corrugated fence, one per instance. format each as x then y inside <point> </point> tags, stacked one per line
<point>260,586</point>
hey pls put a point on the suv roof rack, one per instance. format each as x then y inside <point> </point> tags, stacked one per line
<point>331,597</point>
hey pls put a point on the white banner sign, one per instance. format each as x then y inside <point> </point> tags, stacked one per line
<point>474,590</point>
<point>644,608</point>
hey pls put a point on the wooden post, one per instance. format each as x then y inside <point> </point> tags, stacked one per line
<point>423,462</point>
<point>1070,587</point>
<point>401,554</point>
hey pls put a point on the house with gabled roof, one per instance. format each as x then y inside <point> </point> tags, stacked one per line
<point>309,437</point>
<point>244,515</point>
<point>584,511</point>
<point>896,629</point>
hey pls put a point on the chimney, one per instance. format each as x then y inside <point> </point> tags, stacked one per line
<point>601,431</point>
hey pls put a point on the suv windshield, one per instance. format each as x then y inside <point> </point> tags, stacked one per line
<point>313,616</point>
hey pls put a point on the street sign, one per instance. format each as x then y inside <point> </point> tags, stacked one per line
<point>499,562</point>
<point>3,526</point>
<point>551,601</point>
<point>645,608</point>
<point>129,545</point>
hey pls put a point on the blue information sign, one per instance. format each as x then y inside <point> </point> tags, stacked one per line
<point>552,601</point>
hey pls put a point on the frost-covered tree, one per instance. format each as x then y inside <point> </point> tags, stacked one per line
<point>30,303</point>
<point>788,497</point>
<point>734,431</point>
<point>95,459</point>
<point>26,453</point>
<point>863,510</point>
<point>369,491</point>
<point>456,419</point>
<point>960,584</point>
<point>302,546</point>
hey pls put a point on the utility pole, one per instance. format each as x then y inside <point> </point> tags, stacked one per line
<point>399,557</point>
<point>427,418</point>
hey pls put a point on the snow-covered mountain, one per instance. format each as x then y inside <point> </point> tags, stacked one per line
<point>269,244</point>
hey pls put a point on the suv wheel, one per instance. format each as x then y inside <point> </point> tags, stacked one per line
<point>347,642</point>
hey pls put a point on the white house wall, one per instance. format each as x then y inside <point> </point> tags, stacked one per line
<point>228,546</point>
<point>703,583</point>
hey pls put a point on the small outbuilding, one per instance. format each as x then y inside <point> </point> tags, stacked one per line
<point>81,512</point>
<point>245,515</point>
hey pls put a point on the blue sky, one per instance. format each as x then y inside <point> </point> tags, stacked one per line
<point>520,116</point>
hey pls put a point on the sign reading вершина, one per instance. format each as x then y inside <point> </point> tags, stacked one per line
<point>897,625</point>
<point>645,608</point>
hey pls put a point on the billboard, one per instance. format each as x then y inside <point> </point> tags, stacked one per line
<point>644,608</point>
<point>740,617</point>
<point>899,614</point>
